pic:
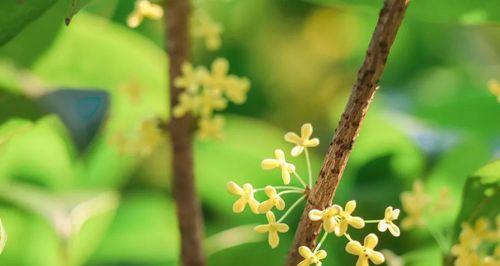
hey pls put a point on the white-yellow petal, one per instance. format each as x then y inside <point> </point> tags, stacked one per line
<point>270,217</point>
<point>281,227</point>
<point>266,206</point>
<point>382,226</point>
<point>239,205</point>
<point>315,215</point>
<point>356,222</point>
<point>350,206</point>
<point>311,143</point>
<point>268,164</point>
<point>321,254</point>
<point>371,241</point>
<point>233,188</point>
<point>280,204</point>
<point>285,175</point>
<point>305,252</point>
<point>394,229</point>
<point>354,247</point>
<point>297,150</point>
<point>306,131</point>
<point>292,138</point>
<point>273,239</point>
<point>376,257</point>
<point>263,228</point>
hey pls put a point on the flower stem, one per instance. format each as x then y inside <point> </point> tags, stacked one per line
<point>301,191</point>
<point>320,242</point>
<point>372,221</point>
<point>300,179</point>
<point>279,187</point>
<point>309,170</point>
<point>348,236</point>
<point>291,208</point>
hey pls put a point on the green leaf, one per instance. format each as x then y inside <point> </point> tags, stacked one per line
<point>24,157</point>
<point>144,232</point>
<point>480,196</point>
<point>3,237</point>
<point>15,15</point>
<point>12,128</point>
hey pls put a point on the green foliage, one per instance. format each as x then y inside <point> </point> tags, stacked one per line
<point>481,192</point>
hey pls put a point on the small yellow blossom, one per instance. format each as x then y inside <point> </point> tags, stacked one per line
<point>415,203</point>
<point>211,127</point>
<point>387,223</point>
<point>217,78</point>
<point>272,227</point>
<point>187,103</point>
<point>274,200</point>
<point>210,101</point>
<point>303,140</point>
<point>365,252</point>
<point>190,80</point>
<point>336,219</point>
<point>328,216</point>
<point>246,197</point>
<point>236,89</point>
<point>205,27</point>
<point>286,168</point>
<point>494,88</point>
<point>310,257</point>
<point>144,9</point>
<point>149,137</point>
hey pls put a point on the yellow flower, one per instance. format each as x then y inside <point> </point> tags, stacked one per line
<point>286,168</point>
<point>415,203</point>
<point>149,137</point>
<point>210,101</point>
<point>365,252</point>
<point>272,228</point>
<point>494,88</point>
<point>328,216</point>
<point>336,219</point>
<point>187,103</point>
<point>205,27</point>
<point>246,197</point>
<point>144,8</point>
<point>190,80</point>
<point>311,257</point>
<point>389,216</point>
<point>303,141</point>
<point>236,89</point>
<point>274,200</point>
<point>211,127</point>
<point>217,78</point>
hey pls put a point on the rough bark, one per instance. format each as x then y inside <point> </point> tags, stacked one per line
<point>362,93</point>
<point>190,220</point>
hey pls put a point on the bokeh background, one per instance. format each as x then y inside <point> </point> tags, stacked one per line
<point>71,195</point>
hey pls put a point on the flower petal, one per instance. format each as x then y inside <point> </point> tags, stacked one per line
<point>282,228</point>
<point>239,205</point>
<point>341,228</point>
<point>311,143</point>
<point>266,206</point>
<point>356,222</point>
<point>280,204</point>
<point>305,252</point>
<point>233,188</point>
<point>394,229</point>
<point>270,217</point>
<point>306,131</point>
<point>268,164</point>
<point>285,175</point>
<point>263,228</point>
<point>220,66</point>
<point>376,257</point>
<point>304,263</point>
<point>254,204</point>
<point>388,213</point>
<point>270,191</point>
<point>371,241</point>
<point>297,150</point>
<point>279,154</point>
<point>362,261</point>
<point>273,239</point>
<point>329,224</point>
<point>292,138</point>
<point>321,254</point>
<point>354,247</point>
<point>315,215</point>
<point>395,214</point>
<point>382,226</point>
<point>350,206</point>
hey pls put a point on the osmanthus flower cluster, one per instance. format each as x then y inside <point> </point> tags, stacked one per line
<point>205,92</point>
<point>335,219</point>
<point>478,244</point>
<point>144,9</point>
<point>140,142</point>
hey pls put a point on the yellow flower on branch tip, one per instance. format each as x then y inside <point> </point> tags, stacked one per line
<point>365,252</point>
<point>216,79</point>
<point>272,227</point>
<point>236,89</point>
<point>415,203</point>
<point>387,223</point>
<point>494,88</point>
<point>190,80</point>
<point>211,127</point>
<point>311,257</point>
<point>286,168</point>
<point>144,8</point>
<point>246,197</point>
<point>206,28</point>
<point>345,219</point>
<point>274,200</point>
<point>303,140</point>
<point>328,216</point>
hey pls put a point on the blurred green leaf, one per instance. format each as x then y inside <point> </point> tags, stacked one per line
<point>15,15</point>
<point>13,127</point>
<point>3,237</point>
<point>481,192</point>
<point>144,232</point>
<point>24,157</point>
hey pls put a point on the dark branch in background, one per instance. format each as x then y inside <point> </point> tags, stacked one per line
<point>322,193</point>
<point>189,215</point>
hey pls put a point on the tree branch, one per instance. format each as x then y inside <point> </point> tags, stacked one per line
<point>362,93</point>
<point>189,215</point>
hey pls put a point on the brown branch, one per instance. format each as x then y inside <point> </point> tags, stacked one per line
<point>189,215</point>
<point>322,193</point>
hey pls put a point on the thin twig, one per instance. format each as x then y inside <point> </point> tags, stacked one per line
<point>322,193</point>
<point>190,220</point>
